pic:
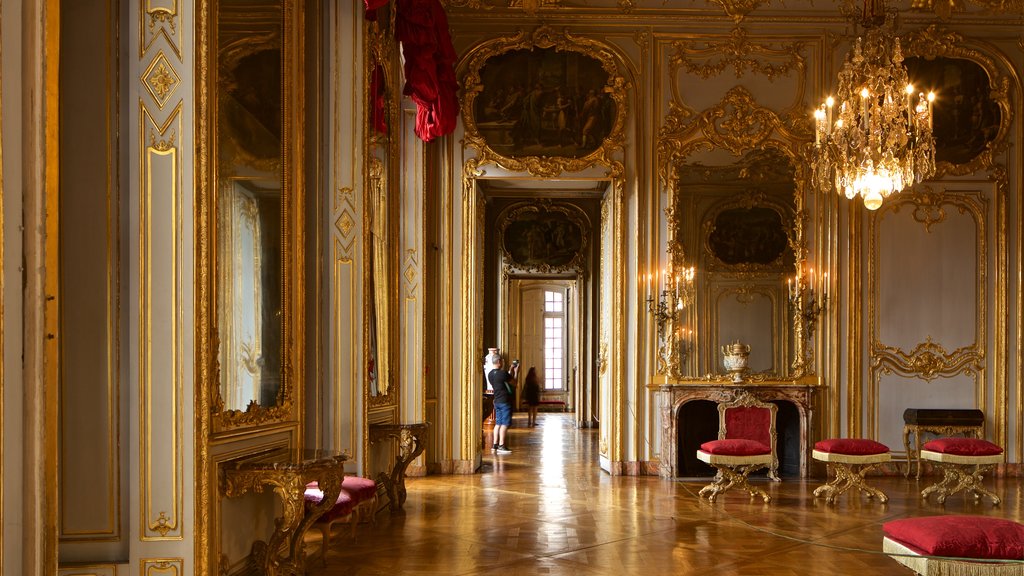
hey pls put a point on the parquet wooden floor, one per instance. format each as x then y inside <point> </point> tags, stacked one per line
<point>548,509</point>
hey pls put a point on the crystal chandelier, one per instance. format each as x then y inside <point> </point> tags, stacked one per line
<point>874,138</point>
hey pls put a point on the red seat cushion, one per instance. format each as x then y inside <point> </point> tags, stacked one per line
<point>851,446</point>
<point>960,536</point>
<point>361,489</point>
<point>342,506</point>
<point>963,447</point>
<point>736,447</point>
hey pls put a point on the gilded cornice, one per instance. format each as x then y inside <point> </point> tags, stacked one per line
<point>544,37</point>
<point>934,42</point>
<point>945,8</point>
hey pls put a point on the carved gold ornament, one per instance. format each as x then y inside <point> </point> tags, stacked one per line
<point>160,80</point>
<point>945,8</point>
<point>928,360</point>
<point>738,9</point>
<point>711,57</point>
<point>544,38</point>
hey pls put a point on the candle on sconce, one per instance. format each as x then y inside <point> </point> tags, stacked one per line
<point>824,285</point>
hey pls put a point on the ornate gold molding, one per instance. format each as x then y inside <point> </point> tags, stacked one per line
<point>945,8</point>
<point>738,124</point>
<point>544,37</point>
<point>711,57</point>
<point>738,9</point>
<point>936,41</point>
<point>928,360</point>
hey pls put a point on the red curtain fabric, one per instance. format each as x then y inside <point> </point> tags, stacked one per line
<point>371,8</point>
<point>422,28</point>
<point>380,119</point>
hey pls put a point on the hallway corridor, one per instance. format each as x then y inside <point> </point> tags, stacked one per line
<point>548,509</point>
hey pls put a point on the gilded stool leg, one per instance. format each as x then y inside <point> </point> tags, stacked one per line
<point>957,477</point>
<point>849,476</point>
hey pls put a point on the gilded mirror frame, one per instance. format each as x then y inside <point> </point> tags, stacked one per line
<point>738,125</point>
<point>212,137</point>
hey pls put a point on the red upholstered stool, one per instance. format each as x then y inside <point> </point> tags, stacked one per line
<point>850,459</point>
<point>342,510</point>
<point>962,461</point>
<point>364,493</point>
<point>914,542</point>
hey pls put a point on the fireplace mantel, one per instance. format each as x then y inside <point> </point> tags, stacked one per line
<point>675,393</point>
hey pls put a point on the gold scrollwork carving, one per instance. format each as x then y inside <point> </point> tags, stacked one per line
<point>936,41</point>
<point>543,38</point>
<point>738,9</point>
<point>161,18</point>
<point>928,360</point>
<point>706,58</point>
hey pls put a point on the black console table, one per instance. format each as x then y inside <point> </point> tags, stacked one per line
<point>943,422</point>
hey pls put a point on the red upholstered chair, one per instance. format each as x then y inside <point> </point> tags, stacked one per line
<point>956,545</point>
<point>746,442</point>
<point>850,459</point>
<point>962,461</point>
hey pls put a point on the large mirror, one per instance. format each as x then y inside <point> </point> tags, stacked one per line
<point>735,224</point>
<point>252,191</point>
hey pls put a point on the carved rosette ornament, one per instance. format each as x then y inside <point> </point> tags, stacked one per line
<point>496,137</point>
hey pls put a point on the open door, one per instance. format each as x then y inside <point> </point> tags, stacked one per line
<point>544,324</point>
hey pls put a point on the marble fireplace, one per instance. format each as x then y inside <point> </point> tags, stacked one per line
<point>689,416</point>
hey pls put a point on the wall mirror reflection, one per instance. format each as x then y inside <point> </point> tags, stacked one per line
<point>735,222</point>
<point>255,209</point>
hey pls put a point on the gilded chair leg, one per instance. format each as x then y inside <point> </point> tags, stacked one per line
<point>730,477</point>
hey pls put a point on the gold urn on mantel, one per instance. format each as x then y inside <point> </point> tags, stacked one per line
<point>734,358</point>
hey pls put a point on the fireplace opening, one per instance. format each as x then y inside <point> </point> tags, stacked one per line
<point>697,423</point>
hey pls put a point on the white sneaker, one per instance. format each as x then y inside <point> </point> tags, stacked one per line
<point>503,450</point>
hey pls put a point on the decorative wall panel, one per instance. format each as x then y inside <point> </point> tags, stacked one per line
<point>160,381</point>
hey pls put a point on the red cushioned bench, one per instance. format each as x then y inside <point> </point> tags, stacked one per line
<point>963,461</point>
<point>357,502</point>
<point>955,545</point>
<point>850,459</point>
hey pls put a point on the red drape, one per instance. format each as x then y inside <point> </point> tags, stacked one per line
<point>371,8</point>
<point>380,119</point>
<point>422,28</point>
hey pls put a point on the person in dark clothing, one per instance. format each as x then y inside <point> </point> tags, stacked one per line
<point>531,395</point>
<point>504,386</point>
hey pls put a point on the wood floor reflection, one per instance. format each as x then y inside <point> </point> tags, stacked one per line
<point>548,509</point>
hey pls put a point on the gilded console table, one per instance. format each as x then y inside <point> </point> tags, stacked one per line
<point>411,440</point>
<point>287,472</point>
<point>941,422</point>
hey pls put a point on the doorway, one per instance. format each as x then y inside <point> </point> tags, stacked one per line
<point>543,322</point>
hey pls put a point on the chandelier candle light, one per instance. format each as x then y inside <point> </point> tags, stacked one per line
<point>674,341</point>
<point>874,138</point>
